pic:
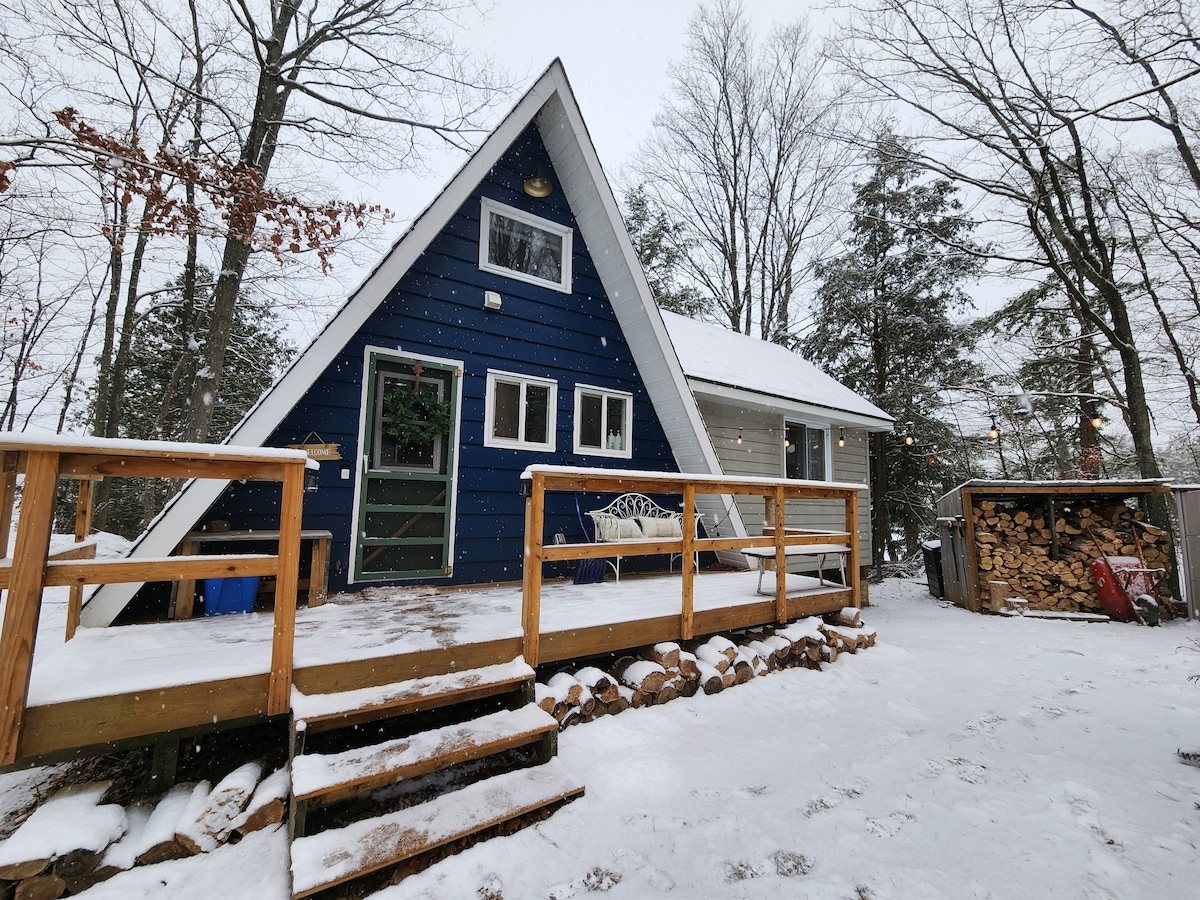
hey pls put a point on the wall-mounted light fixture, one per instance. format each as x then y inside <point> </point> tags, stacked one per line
<point>538,185</point>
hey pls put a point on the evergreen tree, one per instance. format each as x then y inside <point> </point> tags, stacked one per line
<point>657,242</point>
<point>1052,433</point>
<point>884,327</point>
<point>162,367</point>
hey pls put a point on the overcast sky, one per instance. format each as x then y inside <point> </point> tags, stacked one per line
<point>616,54</point>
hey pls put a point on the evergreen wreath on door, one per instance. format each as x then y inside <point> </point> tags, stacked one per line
<point>414,416</point>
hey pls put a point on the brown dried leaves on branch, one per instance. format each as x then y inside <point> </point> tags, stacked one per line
<point>263,217</point>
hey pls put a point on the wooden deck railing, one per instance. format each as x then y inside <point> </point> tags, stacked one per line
<point>539,480</point>
<point>30,568</point>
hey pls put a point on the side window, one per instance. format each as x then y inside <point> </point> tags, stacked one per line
<point>523,246</point>
<point>603,422</point>
<point>520,411</point>
<point>805,452</point>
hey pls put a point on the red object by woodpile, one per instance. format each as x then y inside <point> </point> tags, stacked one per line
<point>1119,580</point>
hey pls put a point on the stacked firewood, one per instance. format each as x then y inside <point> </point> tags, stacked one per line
<point>76,840</point>
<point>665,671</point>
<point>1014,544</point>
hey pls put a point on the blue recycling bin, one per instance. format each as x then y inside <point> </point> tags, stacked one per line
<point>230,595</point>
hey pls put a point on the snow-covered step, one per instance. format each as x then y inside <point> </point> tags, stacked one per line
<point>339,855</point>
<point>322,712</point>
<point>325,778</point>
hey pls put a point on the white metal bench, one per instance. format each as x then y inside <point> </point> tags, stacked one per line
<point>764,555</point>
<point>635,517</point>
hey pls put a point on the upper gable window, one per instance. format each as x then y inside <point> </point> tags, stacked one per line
<point>524,246</point>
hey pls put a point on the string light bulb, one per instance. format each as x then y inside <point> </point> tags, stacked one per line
<point>1097,421</point>
<point>739,437</point>
<point>909,440</point>
<point>841,437</point>
<point>994,432</point>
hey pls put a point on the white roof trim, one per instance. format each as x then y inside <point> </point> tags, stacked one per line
<point>786,406</point>
<point>563,131</point>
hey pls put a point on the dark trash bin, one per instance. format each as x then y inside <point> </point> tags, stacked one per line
<point>932,551</point>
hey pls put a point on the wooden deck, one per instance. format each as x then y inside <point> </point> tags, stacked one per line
<point>126,683</point>
<point>134,685</point>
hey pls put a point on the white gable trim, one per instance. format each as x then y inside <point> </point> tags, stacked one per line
<point>551,103</point>
<point>828,415</point>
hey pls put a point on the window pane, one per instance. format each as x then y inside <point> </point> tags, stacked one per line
<point>524,248</point>
<point>537,408</point>
<point>793,452</point>
<point>591,420</point>
<point>506,410</point>
<point>815,439</point>
<point>615,435</point>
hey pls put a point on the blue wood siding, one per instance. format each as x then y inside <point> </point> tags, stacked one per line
<point>437,309</point>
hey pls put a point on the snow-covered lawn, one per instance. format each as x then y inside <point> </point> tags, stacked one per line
<point>962,756</point>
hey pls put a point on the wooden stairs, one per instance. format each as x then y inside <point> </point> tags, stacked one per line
<point>480,714</point>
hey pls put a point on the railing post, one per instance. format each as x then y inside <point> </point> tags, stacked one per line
<point>8,496</point>
<point>780,521</point>
<point>279,691</point>
<point>852,529</point>
<point>83,526</point>
<point>25,597</point>
<point>531,579</point>
<point>688,562</point>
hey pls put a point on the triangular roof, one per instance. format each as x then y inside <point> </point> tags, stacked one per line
<point>744,369</point>
<point>550,104</point>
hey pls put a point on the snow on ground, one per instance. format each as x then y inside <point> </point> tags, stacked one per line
<point>962,756</point>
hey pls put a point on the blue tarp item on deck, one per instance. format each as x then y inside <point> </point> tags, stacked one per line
<point>229,595</point>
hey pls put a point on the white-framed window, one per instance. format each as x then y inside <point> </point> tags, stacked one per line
<point>523,246</point>
<point>805,452</point>
<point>521,411</point>
<point>603,422</point>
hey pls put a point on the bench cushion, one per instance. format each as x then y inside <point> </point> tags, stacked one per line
<point>612,528</point>
<point>653,527</point>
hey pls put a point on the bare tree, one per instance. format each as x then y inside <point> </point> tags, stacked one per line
<point>1015,113</point>
<point>202,126</point>
<point>741,158</point>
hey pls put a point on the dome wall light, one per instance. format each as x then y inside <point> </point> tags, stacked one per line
<point>538,185</point>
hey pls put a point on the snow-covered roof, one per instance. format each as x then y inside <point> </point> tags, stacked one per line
<point>724,363</point>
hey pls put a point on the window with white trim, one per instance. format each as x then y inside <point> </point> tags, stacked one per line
<point>524,246</point>
<point>521,411</point>
<point>805,452</point>
<point>603,422</point>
